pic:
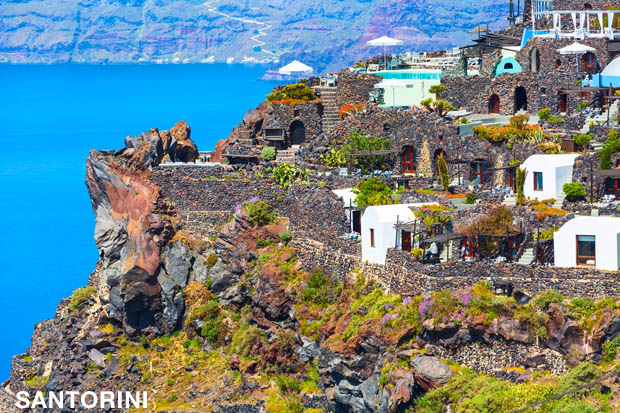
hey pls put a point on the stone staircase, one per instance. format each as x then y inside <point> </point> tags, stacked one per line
<point>510,200</point>
<point>286,156</point>
<point>330,108</point>
<point>602,118</point>
<point>527,257</point>
<point>559,200</point>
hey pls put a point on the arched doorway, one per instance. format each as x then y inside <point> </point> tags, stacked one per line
<point>494,104</point>
<point>589,62</point>
<point>297,133</point>
<point>534,60</point>
<point>409,160</point>
<point>436,156</point>
<point>520,99</point>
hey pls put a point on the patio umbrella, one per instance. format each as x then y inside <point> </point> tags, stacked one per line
<point>576,49</point>
<point>384,41</point>
<point>295,68</point>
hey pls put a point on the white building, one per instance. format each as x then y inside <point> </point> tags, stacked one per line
<point>588,241</point>
<point>348,200</point>
<point>546,174</point>
<point>378,232</point>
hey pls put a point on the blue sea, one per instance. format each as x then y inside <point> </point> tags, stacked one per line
<point>50,117</point>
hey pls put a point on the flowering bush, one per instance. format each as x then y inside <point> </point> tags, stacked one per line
<point>502,133</point>
<point>348,110</point>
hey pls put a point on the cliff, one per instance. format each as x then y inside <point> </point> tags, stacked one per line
<point>325,34</point>
<point>205,297</point>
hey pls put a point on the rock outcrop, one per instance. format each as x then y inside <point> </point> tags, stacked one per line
<point>142,273</point>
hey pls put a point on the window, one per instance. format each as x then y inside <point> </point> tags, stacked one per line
<point>612,187</point>
<point>508,66</point>
<point>372,238</point>
<point>481,171</point>
<point>538,181</point>
<point>586,246</point>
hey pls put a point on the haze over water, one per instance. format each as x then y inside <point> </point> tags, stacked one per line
<point>50,117</point>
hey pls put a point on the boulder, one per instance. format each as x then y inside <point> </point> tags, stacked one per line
<point>97,357</point>
<point>403,387</point>
<point>178,261</point>
<point>430,372</point>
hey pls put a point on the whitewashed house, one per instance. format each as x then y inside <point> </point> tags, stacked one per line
<point>378,232</point>
<point>546,174</point>
<point>353,215</point>
<point>588,241</point>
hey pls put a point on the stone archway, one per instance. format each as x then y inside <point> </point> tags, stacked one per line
<point>297,133</point>
<point>520,99</point>
<point>494,104</point>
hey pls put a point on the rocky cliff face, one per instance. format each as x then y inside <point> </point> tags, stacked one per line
<point>142,270</point>
<point>325,34</point>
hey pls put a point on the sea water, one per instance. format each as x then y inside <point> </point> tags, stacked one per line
<point>50,117</point>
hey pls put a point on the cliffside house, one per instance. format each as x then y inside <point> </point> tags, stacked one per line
<point>590,242</point>
<point>352,211</point>
<point>379,232</point>
<point>546,174</point>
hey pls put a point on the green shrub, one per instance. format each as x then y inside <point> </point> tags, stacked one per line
<point>284,174</point>
<point>334,158</point>
<point>613,134</point>
<point>574,191</point>
<point>547,297</point>
<point>437,90</point>
<point>471,198</point>
<point>263,242</point>
<point>610,349</point>
<point>544,113</point>
<point>442,107</point>
<point>277,95</point>
<point>81,295</point>
<point>358,140</point>
<point>285,237</point>
<point>260,213</point>
<point>582,139</point>
<point>211,260</point>
<point>427,104</point>
<point>268,153</point>
<point>520,183</point>
<point>554,119</point>
<point>245,339</point>
<point>320,290</point>
<point>372,191</point>
<point>583,105</point>
<point>582,374</point>
<point>206,311</point>
<point>299,91</point>
<point>383,380</point>
<point>519,121</point>
<point>288,384</point>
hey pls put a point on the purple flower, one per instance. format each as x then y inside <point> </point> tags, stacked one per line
<point>385,319</point>
<point>254,199</point>
<point>303,284</point>
<point>407,300</point>
<point>425,305</point>
<point>237,207</point>
<point>393,316</point>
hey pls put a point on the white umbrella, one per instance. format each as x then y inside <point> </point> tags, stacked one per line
<point>295,68</point>
<point>384,41</point>
<point>393,84</point>
<point>576,49</point>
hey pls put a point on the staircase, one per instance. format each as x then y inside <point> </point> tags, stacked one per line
<point>559,201</point>
<point>286,156</point>
<point>527,257</point>
<point>602,118</point>
<point>443,257</point>
<point>510,200</point>
<point>330,116</point>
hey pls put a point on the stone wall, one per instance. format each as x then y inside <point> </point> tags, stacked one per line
<point>309,114</point>
<point>581,5</point>
<point>542,90</point>
<point>354,88</point>
<point>429,135</point>
<point>551,61</point>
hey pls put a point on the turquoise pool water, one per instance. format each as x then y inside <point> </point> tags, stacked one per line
<point>408,74</point>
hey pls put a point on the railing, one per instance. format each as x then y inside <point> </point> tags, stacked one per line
<point>586,24</point>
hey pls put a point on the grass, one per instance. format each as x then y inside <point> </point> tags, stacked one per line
<point>81,295</point>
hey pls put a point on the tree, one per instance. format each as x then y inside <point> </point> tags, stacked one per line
<point>437,90</point>
<point>427,104</point>
<point>358,140</point>
<point>520,181</point>
<point>443,107</point>
<point>372,191</point>
<point>443,172</point>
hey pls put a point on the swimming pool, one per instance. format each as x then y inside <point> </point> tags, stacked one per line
<point>409,74</point>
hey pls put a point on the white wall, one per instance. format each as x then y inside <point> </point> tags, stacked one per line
<point>557,170</point>
<point>382,219</point>
<point>346,195</point>
<point>607,233</point>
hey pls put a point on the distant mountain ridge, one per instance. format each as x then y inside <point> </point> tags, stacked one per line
<point>326,34</point>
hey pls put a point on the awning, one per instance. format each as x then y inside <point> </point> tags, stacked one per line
<point>442,238</point>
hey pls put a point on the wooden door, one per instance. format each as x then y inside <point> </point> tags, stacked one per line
<point>409,164</point>
<point>406,241</point>
<point>357,221</point>
<point>563,102</point>
<point>494,104</point>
